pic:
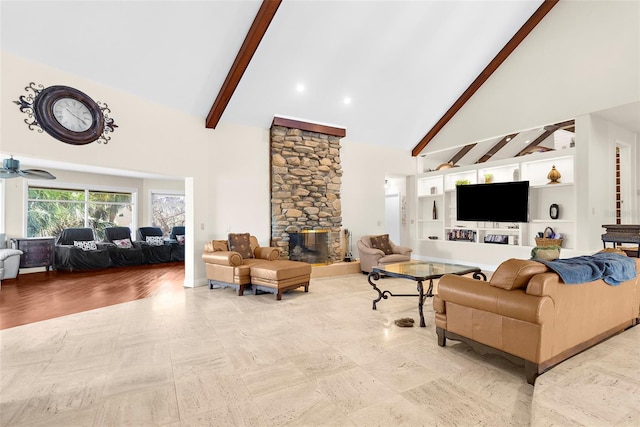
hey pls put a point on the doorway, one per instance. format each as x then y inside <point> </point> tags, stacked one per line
<point>625,200</point>
<point>395,219</point>
<point>392,217</point>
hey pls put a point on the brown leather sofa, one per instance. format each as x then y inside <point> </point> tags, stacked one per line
<point>228,268</point>
<point>528,314</point>
<point>259,267</point>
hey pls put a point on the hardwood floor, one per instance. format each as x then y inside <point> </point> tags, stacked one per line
<point>39,296</point>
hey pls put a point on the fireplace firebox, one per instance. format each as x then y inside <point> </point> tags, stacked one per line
<point>310,246</point>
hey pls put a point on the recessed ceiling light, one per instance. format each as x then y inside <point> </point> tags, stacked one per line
<point>346,100</point>
<point>300,87</point>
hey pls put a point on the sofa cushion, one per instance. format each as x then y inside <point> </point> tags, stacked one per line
<point>281,270</point>
<point>240,242</point>
<point>85,245</point>
<point>382,242</point>
<point>515,273</point>
<point>180,239</point>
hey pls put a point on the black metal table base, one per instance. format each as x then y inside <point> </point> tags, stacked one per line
<point>386,294</point>
<point>374,275</point>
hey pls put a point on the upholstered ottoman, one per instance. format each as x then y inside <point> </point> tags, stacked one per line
<point>280,276</point>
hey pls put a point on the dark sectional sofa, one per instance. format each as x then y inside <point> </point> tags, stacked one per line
<point>77,249</point>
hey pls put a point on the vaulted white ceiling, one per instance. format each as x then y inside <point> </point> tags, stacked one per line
<point>401,63</point>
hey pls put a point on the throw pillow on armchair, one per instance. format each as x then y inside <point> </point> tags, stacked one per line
<point>382,242</point>
<point>240,242</point>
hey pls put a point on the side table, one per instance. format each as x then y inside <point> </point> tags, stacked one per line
<point>37,251</point>
<point>619,234</point>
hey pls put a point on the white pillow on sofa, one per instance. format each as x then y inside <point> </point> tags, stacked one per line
<point>85,245</point>
<point>154,240</point>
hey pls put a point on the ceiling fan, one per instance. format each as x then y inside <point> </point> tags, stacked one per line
<point>11,169</point>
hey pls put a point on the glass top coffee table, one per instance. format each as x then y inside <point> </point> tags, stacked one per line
<point>419,271</point>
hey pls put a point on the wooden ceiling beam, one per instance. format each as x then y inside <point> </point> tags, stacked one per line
<point>535,142</point>
<point>568,125</point>
<point>511,45</point>
<point>251,41</point>
<point>493,150</point>
<point>549,130</point>
<point>460,154</point>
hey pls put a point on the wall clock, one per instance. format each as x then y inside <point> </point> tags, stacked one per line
<point>67,114</point>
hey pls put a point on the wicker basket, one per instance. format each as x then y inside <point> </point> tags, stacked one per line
<point>546,241</point>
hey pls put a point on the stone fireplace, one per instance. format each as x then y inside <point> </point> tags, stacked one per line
<point>306,177</point>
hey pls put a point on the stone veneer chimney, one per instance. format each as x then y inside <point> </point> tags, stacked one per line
<point>306,176</point>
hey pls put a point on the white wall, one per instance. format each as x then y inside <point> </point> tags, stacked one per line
<point>595,176</point>
<point>150,138</point>
<point>224,172</point>
<point>363,194</point>
<point>583,57</point>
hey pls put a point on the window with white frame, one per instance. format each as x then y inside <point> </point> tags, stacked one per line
<point>52,209</point>
<point>167,210</point>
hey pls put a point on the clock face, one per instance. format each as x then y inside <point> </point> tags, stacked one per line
<point>68,115</point>
<point>72,114</point>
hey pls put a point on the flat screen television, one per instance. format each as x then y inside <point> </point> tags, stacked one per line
<point>499,202</point>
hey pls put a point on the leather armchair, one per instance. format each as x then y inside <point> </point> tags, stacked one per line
<point>123,256</point>
<point>177,245</point>
<point>228,268</point>
<point>527,314</point>
<point>70,257</point>
<point>154,253</point>
<point>371,257</point>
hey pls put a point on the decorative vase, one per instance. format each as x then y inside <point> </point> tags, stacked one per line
<point>553,176</point>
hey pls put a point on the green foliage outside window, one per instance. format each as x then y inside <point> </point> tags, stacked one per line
<point>51,210</point>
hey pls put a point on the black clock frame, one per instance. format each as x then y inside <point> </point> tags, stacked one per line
<point>43,112</point>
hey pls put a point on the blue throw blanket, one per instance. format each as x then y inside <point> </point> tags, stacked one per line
<point>612,268</point>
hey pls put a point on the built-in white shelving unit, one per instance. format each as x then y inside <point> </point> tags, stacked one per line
<point>439,188</point>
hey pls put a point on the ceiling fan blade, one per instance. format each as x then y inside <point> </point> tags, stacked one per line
<point>36,174</point>
<point>8,173</point>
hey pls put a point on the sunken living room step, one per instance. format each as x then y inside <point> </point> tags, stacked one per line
<point>280,276</point>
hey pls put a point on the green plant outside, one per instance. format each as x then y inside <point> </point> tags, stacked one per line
<point>52,210</point>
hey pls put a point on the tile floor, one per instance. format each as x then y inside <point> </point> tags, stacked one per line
<point>209,358</point>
